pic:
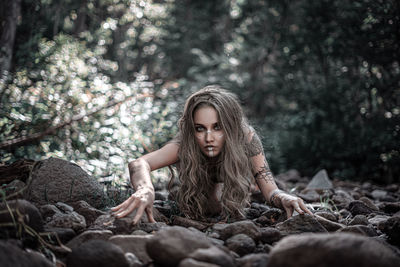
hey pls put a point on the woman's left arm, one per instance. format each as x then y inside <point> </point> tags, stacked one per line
<point>265,180</point>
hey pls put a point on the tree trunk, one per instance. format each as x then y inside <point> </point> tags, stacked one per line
<point>10,11</point>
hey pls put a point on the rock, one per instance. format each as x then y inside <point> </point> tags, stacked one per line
<point>64,207</point>
<point>212,255</point>
<point>331,250</point>
<point>195,263</point>
<point>90,213</point>
<point>369,203</point>
<point>359,229</point>
<point>359,207</point>
<point>320,181</point>
<point>274,215</point>
<point>392,228</point>
<point>241,244</point>
<point>379,221</point>
<point>329,225</point>
<point>152,227</point>
<point>379,194</point>
<point>139,232</point>
<point>270,235</point>
<point>64,234</point>
<point>135,244</point>
<point>341,198</point>
<point>56,180</point>
<point>21,210</point>
<point>170,245</point>
<point>161,195</point>
<point>359,219</point>
<point>254,260</point>
<point>309,195</point>
<point>68,220</point>
<point>242,227</point>
<point>252,213</point>
<point>327,215</point>
<point>89,235</point>
<point>186,222</point>
<point>390,207</point>
<point>133,260</point>
<point>300,224</point>
<point>116,225</point>
<point>11,255</point>
<point>97,253</point>
<point>48,210</point>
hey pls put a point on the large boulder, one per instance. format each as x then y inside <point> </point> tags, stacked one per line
<point>331,250</point>
<point>12,255</point>
<point>171,245</point>
<point>56,180</point>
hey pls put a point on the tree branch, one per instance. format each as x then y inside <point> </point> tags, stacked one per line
<point>23,140</point>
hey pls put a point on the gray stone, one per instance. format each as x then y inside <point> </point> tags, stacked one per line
<point>56,180</point>
<point>89,235</point>
<point>241,244</point>
<point>11,256</point>
<point>327,215</point>
<point>369,203</point>
<point>135,244</point>
<point>359,219</point>
<point>254,260</point>
<point>64,207</point>
<point>379,194</point>
<point>379,221</point>
<point>64,234</point>
<point>152,227</point>
<point>359,207</point>
<point>186,222</point>
<point>300,224</point>
<point>392,229</point>
<point>97,253</point>
<point>359,229</point>
<point>86,210</point>
<point>242,227</point>
<point>213,255</point>
<point>20,210</point>
<point>341,198</point>
<point>68,220</point>
<point>331,250</point>
<point>171,245</point>
<point>320,181</point>
<point>133,260</point>
<point>195,263</point>
<point>270,235</point>
<point>329,225</point>
<point>48,210</point>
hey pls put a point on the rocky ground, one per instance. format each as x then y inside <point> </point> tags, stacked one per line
<point>56,215</point>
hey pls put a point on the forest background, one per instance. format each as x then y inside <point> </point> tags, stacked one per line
<point>100,82</point>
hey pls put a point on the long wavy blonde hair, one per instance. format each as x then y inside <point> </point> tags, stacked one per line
<point>197,174</point>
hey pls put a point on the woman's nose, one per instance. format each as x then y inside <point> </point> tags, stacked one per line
<point>209,136</point>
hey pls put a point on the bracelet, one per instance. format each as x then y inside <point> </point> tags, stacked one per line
<point>273,197</point>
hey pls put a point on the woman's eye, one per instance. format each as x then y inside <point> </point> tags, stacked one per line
<point>217,127</point>
<point>199,129</point>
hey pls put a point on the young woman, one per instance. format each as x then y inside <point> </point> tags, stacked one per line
<point>216,153</point>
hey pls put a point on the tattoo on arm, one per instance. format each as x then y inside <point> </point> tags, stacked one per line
<point>264,174</point>
<point>254,147</point>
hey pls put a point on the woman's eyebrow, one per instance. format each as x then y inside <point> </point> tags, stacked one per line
<point>199,124</point>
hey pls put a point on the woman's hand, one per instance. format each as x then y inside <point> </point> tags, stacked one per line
<point>142,200</point>
<point>288,202</point>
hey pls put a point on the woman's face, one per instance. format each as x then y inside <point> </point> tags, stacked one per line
<point>208,132</point>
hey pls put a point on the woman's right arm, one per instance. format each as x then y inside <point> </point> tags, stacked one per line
<point>139,171</point>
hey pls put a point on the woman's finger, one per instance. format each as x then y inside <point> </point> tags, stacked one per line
<point>303,207</point>
<point>139,213</point>
<point>149,212</point>
<point>124,204</point>
<point>297,207</point>
<point>289,211</point>
<point>128,209</point>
